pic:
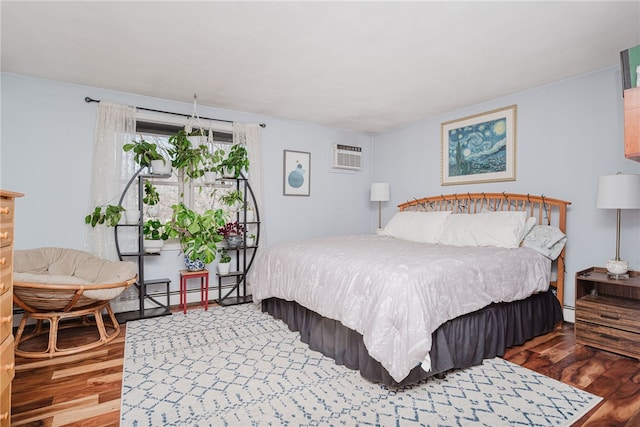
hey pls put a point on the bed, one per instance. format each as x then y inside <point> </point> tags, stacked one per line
<point>450,280</point>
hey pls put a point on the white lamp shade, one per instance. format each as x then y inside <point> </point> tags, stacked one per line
<point>621,191</point>
<point>380,192</point>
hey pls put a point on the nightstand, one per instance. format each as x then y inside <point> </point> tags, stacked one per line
<point>608,311</point>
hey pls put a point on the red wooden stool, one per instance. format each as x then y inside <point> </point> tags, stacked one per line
<point>204,287</point>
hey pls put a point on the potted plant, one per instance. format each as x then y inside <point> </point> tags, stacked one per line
<point>109,215</point>
<point>184,156</point>
<point>233,233</point>
<point>196,137</point>
<point>251,240</point>
<point>197,233</point>
<point>151,195</point>
<point>155,233</point>
<point>147,154</point>
<point>224,264</point>
<point>211,164</point>
<point>234,199</point>
<point>235,162</point>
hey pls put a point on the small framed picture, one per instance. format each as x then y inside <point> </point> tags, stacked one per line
<point>480,148</point>
<point>296,173</point>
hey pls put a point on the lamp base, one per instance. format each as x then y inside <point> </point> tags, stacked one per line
<point>617,266</point>
<point>615,276</point>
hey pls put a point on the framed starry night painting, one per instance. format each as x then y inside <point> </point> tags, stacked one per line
<point>297,173</point>
<point>479,148</point>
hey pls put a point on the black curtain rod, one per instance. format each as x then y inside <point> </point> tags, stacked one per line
<point>87,99</point>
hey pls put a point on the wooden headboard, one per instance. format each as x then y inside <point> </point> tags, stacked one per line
<point>546,210</point>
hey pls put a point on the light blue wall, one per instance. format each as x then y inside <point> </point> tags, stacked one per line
<point>568,134</point>
<point>46,152</point>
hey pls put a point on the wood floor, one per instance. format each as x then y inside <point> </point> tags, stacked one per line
<point>84,390</point>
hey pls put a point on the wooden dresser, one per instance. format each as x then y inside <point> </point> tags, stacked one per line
<point>7,365</point>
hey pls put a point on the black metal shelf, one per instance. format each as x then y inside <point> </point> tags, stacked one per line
<point>143,295</point>
<point>236,281</point>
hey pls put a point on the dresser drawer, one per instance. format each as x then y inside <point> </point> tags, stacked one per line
<point>7,362</point>
<point>6,315</point>
<point>611,339</point>
<point>6,211</point>
<point>5,404</point>
<point>609,311</point>
<point>6,269</point>
<point>6,221</point>
<point>6,235</point>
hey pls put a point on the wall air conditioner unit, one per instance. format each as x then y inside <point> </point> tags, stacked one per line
<point>347,157</point>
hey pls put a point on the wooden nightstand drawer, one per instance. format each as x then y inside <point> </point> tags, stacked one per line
<point>611,339</point>
<point>608,311</point>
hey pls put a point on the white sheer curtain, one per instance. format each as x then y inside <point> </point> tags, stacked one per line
<point>249,135</point>
<point>115,126</point>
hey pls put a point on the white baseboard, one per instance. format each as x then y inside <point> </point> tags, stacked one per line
<point>569,314</point>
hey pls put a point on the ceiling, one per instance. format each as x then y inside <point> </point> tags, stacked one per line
<point>367,66</point>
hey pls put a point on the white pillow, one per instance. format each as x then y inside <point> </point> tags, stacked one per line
<point>503,229</point>
<point>546,239</point>
<point>422,227</point>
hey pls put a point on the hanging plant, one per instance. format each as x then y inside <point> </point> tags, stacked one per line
<point>185,157</point>
<point>109,215</point>
<point>236,161</point>
<point>151,195</point>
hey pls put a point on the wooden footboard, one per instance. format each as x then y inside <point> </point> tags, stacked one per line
<point>547,211</point>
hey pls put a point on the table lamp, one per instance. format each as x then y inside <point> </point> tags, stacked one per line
<point>380,193</point>
<point>620,191</point>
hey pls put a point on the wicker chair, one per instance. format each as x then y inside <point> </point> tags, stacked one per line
<point>67,288</point>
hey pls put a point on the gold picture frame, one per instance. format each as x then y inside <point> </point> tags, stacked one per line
<point>479,148</point>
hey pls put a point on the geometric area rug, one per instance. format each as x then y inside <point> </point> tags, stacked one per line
<point>237,366</point>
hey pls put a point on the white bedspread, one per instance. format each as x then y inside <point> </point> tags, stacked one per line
<point>394,292</point>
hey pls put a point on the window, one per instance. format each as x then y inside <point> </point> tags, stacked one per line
<point>195,193</point>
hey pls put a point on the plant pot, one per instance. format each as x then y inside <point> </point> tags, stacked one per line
<point>131,217</point>
<point>195,265</point>
<point>153,246</point>
<point>234,241</point>
<point>251,241</point>
<point>210,177</point>
<point>224,267</point>
<point>160,167</point>
<point>197,140</point>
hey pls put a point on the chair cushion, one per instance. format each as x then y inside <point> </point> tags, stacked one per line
<point>70,266</point>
